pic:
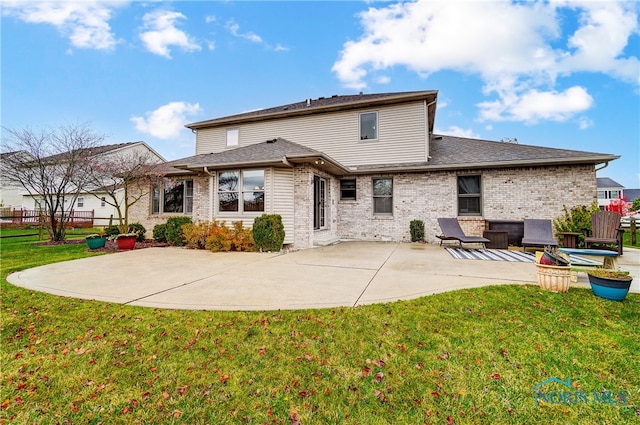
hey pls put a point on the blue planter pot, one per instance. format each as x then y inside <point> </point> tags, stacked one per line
<point>609,288</point>
<point>96,243</point>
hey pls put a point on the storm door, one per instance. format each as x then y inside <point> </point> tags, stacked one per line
<point>319,204</point>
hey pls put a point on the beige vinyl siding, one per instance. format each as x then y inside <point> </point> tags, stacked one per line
<point>282,201</point>
<point>401,135</point>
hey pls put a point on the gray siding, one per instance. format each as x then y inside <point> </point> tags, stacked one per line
<point>401,135</point>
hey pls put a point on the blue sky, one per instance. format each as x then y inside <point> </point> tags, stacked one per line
<point>558,73</point>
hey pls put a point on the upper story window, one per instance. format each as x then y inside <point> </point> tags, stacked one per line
<point>246,185</point>
<point>103,202</point>
<point>233,136</point>
<point>348,189</point>
<point>80,202</point>
<point>172,196</point>
<point>368,125</point>
<point>383,196</point>
<point>469,195</point>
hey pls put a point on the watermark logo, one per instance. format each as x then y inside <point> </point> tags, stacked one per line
<point>547,393</point>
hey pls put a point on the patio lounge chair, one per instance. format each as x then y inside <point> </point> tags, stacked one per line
<point>538,233</point>
<point>605,230</point>
<point>451,231</point>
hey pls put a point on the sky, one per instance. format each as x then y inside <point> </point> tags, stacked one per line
<point>562,74</point>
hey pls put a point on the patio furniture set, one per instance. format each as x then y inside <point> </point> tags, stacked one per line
<point>604,239</point>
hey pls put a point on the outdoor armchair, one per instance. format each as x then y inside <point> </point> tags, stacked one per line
<point>605,230</point>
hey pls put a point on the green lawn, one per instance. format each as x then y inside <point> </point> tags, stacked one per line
<point>470,356</point>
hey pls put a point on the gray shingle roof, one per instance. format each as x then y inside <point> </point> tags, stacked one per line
<point>272,151</point>
<point>631,194</point>
<point>323,104</point>
<point>606,182</point>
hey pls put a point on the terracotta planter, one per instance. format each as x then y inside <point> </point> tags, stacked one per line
<point>96,243</point>
<point>615,289</point>
<point>126,242</point>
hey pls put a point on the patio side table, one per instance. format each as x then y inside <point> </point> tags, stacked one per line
<point>499,239</point>
<point>569,239</point>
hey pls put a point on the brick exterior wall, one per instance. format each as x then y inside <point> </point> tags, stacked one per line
<point>305,235</point>
<point>507,194</point>
<point>140,212</point>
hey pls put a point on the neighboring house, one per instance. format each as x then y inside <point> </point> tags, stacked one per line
<point>361,167</point>
<point>10,194</point>
<point>631,194</point>
<point>608,189</point>
<point>96,199</point>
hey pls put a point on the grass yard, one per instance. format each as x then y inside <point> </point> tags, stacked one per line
<point>470,356</point>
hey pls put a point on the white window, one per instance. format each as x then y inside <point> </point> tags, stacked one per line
<point>172,196</point>
<point>368,125</point>
<point>247,185</point>
<point>103,202</point>
<point>80,202</point>
<point>233,136</point>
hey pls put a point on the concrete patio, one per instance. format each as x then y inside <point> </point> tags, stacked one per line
<point>346,274</point>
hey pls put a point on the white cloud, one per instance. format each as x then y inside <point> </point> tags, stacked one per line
<point>209,19</point>
<point>84,23</point>
<point>456,131</point>
<point>517,48</point>
<point>167,121</point>
<point>535,105</point>
<point>234,29</point>
<point>160,32</point>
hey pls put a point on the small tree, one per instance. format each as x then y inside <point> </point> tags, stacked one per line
<point>125,177</point>
<point>635,205</point>
<point>52,166</point>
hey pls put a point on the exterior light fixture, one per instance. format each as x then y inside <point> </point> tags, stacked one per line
<point>319,161</point>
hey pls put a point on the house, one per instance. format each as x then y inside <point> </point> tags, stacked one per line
<point>11,193</point>
<point>96,200</point>
<point>608,189</point>
<point>361,167</point>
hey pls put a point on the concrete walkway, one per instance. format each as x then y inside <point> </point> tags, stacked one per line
<point>347,274</point>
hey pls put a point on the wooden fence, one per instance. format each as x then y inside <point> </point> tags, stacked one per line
<point>17,218</point>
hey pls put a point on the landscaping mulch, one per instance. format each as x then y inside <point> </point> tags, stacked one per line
<point>110,245</point>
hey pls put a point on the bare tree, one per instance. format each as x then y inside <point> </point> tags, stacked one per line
<point>52,165</point>
<point>125,177</point>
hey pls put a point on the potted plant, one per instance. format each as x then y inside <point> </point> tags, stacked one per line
<point>126,240</point>
<point>95,240</point>
<point>610,284</point>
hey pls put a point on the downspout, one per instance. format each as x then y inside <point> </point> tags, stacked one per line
<point>211,182</point>
<point>426,128</point>
<point>606,164</point>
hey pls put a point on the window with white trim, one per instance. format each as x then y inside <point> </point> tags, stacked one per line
<point>368,125</point>
<point>103,202</point>
<point>80,202</point>
<point>172,197</point>
<point>246,185</point>
<point>233,137</point>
